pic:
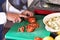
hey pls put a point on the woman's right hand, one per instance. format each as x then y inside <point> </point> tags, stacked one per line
<point>14,17</point>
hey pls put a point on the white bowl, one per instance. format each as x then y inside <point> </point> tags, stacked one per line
<point>48,17</point>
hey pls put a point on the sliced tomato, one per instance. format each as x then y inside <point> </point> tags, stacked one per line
<point>38,38</point>
<point>35,25</point>
<point>21,29</point>
<point>31,20</point>
<point>30,28</point>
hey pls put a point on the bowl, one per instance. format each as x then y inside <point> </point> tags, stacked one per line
<point>46,20</point>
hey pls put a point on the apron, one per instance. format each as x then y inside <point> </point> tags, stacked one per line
<point>10,7</point>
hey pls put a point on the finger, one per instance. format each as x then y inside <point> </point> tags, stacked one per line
<point>31,13</point>
<point>23,16</point>
<point>19,19</point>
<point>16,20</point>
<point>28,13</point>
<point>13,21</point>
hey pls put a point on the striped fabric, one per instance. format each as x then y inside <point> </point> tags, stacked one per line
<point>19,4</point>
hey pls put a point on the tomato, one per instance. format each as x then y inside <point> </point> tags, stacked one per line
<point>35,25</point>
<point>38,38</point>
<point>31,20</point>
<point>30,28</point>
<point>21,29</point>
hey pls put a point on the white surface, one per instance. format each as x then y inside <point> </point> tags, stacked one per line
<point>46,18</point>
<point>2,18</point>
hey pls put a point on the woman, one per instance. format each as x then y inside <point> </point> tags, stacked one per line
<point>14,13</point>
<point>17,8</point>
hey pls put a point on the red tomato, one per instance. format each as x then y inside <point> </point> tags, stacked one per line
<point>31,20</point>
<point>38,38</point>
<point>30,28</point>
<point>35,25</point>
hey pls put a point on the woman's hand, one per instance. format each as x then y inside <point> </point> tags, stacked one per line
<point>14,17</point>
<point>28,13</point>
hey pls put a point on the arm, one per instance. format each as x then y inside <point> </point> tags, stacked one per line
<point>13,13</point>
<point>3,18</point>
<point>7,7</point>
<point>10,8</point>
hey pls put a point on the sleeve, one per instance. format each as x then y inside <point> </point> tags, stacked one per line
<point>1,2</point>
<point>3,18</point>
<point>11,8</point>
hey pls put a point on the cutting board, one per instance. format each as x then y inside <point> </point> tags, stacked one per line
<point>39,32</point>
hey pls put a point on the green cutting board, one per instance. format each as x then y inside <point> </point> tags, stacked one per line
<point>39,32</point>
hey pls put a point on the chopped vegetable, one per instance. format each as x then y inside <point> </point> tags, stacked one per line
<point>30,28</point>
<point>38,38</point>
<point>54,23</point>
<point>48,38</point>
<point>31,20</point>
<point>21,29</point>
